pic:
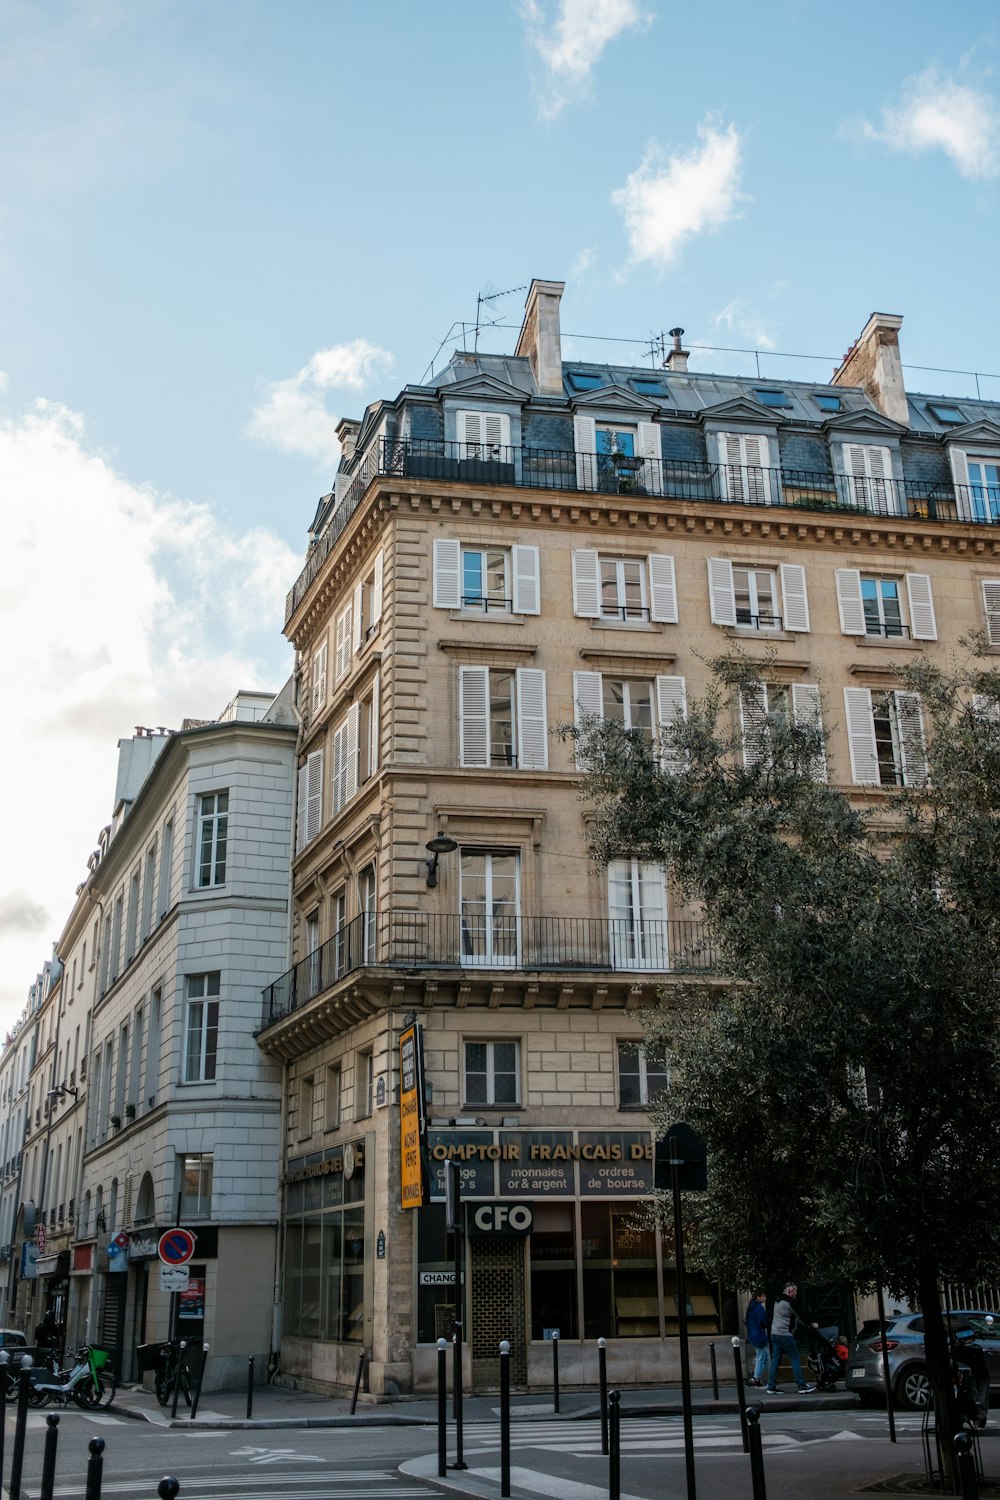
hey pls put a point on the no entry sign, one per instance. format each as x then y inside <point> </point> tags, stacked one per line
<point>175,1247</point>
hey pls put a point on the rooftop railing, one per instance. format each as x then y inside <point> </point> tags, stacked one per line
<point>846,495</point>
<point>416,941</point>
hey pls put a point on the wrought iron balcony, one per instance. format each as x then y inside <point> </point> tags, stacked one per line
<point>414,941</point>
<point>606,473</point>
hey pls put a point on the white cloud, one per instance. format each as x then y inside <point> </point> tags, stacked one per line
<point>571,47</point>
<point>667,199</point>
<point>937,113</point>
<point>4,380</point>
<point>119,605</point>
<point>293,415</point>
<point>740,319</point>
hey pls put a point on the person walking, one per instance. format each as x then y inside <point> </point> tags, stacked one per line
<point>783,1321</point>
<point>756,1322</point>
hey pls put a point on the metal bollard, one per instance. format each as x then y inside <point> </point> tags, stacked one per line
<point>442,1408</point>
<point>197,1390</point>
<point>555,1371</point>
<point>614,1446</point>
<point>168,1488</point>
<point>456,1397</point>
<point>505,1418</point>
<point>178,1362</point>
<point>250,1365</point>
<point>741,1395</point>
<point>756,1454</point>
<point>4,1362</point>
<point>966,1466</point>
<point>602,1366</point>
<point>48,1481</point>
<point>357,1381</point>
<point>715,1372</point>
<point>95,1469</point>
<point>21,1422</point>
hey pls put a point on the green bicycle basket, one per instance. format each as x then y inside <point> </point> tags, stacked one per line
<point>99,1357</point>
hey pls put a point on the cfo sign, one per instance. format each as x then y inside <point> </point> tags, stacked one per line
<point>500,1218</point>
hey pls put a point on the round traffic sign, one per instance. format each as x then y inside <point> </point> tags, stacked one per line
<point>175,1247</point>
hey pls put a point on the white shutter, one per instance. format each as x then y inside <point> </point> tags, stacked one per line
<point>651,449</point>
<point>912,745</point>
<point>794,598</point>
<point>757,474</point>
<point>861,736</point>
<point>374,743</point>
<point>532,726</point>
<point>474,716</point>
<point>378,586</point>
<point>807,711</point>
<point>870,468</point>
<point>923,626</point>
<point>526,597</point>
<point>588,703</point>
<point>753,723</point>
<point>849,602</point>
<point>469,426</point>
<point>985,706</point>
<point>351,752</point>
<point>960,479</point>
<point>585,443</point>
<point>319,680</point>
<point>447,573</point>
<point>300,810</point>
<point>359,616</point>
<point>671,708</point>
<point>586,584</point>
<point>662,588</point>
<point>721,593</point>
<point>314,794</point>
<point>338,772</point>
<point>991,604</point>
<point>343,644</point>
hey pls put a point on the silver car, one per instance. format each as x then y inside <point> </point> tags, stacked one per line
<point>907,1361</point>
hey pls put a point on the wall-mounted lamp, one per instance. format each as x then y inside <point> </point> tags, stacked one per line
<point>60,1093</point>
<point>438,845</point>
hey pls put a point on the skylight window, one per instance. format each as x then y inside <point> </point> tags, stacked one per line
<point>949,415</point>
<point>829,403</point>
<point>585,380</point>
<point>772,398</point>
<point>648,385</point>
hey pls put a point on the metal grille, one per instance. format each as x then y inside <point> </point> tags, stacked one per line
<point>497,1310</point>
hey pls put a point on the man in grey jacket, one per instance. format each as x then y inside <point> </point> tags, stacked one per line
<point>783,1320</point>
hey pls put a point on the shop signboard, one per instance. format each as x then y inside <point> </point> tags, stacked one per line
<point>474,1150</point>
<point>410,1113</point>
<point>545,1163</point>
<point>543,1166</point>
<point>618,1163</point>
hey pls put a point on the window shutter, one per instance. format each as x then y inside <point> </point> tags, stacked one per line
<point>923,626</point>
<point>861,736</point>
<point>794,598</point>
<point>532,726</point>
<point>729,455</point>
<point>351,752</point>
<point>447,573</point>
<point>319,680</point>
<point>959,459</point>
<point>314,794</point>
<point>374,744</point>
<point>526,593</point>
<point>377,586</point>
<point>662,588</point>
<point>359,616</point>
<point>343,643</point>
<point>985,706</point>
<point>496,433</point>
<point>721,593</point>
<point>586,584</point>
<point>338,772</point>
<point>912,745</point>
<point>852,610</point>
<point>991,604</point>
<point>469,426</point>
<point>758,476</point>
<point>474,716</point>
<point>585,443</point>
<point>808,713</point>
<point>588,703</point>
<point>753,723</point>
<point>300,810</point>
<point>671,708</point>
<point>651,449</point>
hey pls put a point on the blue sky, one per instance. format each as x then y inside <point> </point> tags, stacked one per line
<point>225,225</point>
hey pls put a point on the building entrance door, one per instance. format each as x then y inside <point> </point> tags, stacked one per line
<point>497,1309</point>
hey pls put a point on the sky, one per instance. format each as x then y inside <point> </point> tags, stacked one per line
<point>226,224</point>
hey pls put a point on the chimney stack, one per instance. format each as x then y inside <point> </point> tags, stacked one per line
<point>874,363</point>
<point>539,339</point>
<point>677,360</point>
<point>347,435</point>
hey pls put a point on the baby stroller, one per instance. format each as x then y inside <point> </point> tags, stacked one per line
<point>827,1357</point>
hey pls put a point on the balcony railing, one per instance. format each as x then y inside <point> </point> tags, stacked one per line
<point>414,941</point>
<point>606,473</point>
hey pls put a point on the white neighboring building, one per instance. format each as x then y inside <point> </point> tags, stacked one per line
<point>17,1105</point>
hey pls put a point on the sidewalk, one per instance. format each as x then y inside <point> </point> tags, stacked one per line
<point>276,1407</point>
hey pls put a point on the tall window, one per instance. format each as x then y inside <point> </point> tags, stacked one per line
<point>364,1075</point>
<point>984,489</point>
<point>630,703</point>
<point>313,953</point>
<point>213,824</point>
<point>502,717</point>
<point>307,1094</point>
<point>339,909</point>
<point>639,1080</point>
<point>202,1029</point>
<point>166,856</point>
<point>148,884</point>
<point>486,579</point>
<point>333,1097</point>
<point>756,598</point>
<point>132,925</point>
<point>617,464</point>
<point>366,908</point>
<point>883,611</point>
<point>195,1173</point>
<point>637,902</point>
<point>886,737</point>
<point>623,589</point>
<point>490,900</point>
<point>491,1073</point>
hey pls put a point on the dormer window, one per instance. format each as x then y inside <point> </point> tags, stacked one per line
<point>828,403</point>
<point>585,380</point>
<point>649,385</point>
<point>949,416</point>
<point>772,398</point>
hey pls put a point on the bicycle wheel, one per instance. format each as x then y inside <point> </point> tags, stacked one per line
<point>109,1388</point>
<point>90,1392</point>
<point>37,1396</point>
<point>163,1385</point>
<point>187,1386</point>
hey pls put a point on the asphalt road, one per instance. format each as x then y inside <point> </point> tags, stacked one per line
<point>822,1456</point>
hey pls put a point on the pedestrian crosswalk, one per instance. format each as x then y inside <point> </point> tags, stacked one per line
<point>648,1437</point>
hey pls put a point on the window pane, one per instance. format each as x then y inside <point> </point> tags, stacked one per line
<point>472,577</point>
<point>629,1083</point>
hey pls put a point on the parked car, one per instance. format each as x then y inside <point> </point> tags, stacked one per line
<point>907,1361</point>
<point>13,1338</point>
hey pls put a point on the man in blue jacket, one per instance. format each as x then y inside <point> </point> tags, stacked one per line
<point>756,1321</point>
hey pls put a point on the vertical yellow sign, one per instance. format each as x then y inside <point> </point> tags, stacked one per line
<point>411,1175</point>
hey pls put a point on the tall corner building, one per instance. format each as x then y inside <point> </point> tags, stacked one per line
<point>522,541</point>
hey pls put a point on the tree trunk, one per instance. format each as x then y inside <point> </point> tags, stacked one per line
<point>939,1372</point>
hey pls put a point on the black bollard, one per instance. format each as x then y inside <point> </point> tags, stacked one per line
<point>178,1362</point>
<point>197,1390</point>
<point>357,1381</point>
<point>505,1419</point>
<point>555,1371</point>
<point>715,1372</point>
<point>966,1466</point>
<point>602,1366</point>
<point>17,1458</point>
<point>741,1395</point>
<point>168,1488</point>
<point>456,1396</point>
<point>614,1446</point>
<point>756,1454</point>
<point>250,1363</point>
<point>4,1364</point>
<point>48,1482</point>
<point>442,1408</point>
<point>95,1469</point>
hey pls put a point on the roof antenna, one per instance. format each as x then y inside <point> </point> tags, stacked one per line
<point>484,297</point>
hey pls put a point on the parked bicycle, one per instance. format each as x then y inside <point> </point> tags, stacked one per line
<point>89,1383</point>
<point>169,1363</point>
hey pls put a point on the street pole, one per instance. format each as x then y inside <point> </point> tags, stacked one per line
<point>676,1162</point>
<point>453,1212</point>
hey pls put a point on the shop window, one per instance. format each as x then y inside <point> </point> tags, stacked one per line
<point>436,1261</point>
<point>620,1297</point>
<point>553,1271</point>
